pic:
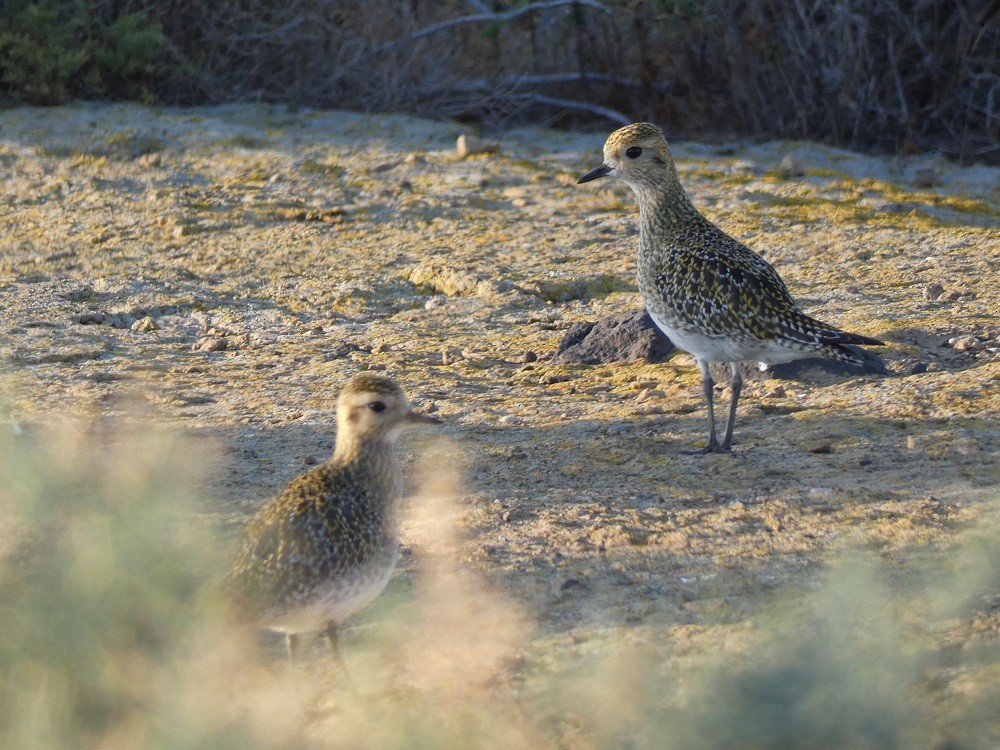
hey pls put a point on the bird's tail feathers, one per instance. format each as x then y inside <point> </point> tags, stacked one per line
<point>809,330</point>
<point>840,353</point>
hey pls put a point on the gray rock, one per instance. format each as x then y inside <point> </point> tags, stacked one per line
<point>816,369</point>
<point>631,336</point>
<point>625,337</point>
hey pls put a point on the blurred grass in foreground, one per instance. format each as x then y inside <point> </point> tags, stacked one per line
<point>111,636</point>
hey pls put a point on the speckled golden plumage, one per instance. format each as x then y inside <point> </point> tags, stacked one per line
<point>709,293</point>
<point>327,544</point>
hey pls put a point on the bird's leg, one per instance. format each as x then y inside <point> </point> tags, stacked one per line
<point>709,386</point>
<point>736,385</point>
<point>292,644</point>
<point>334,644</point>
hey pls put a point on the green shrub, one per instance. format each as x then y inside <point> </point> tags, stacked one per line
<point>53,50</point>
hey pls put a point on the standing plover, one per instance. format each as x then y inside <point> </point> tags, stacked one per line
<point>327,544</point>
<point>710,294</point>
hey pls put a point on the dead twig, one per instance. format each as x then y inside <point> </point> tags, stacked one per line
<point>509,15</point>
<point>515,81</point>
<point>552,101</point>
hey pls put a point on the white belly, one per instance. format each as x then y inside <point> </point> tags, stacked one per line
<point>335,605</point>
<point>721,349</point>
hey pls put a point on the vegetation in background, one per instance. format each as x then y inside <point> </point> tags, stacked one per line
<point>52,50</point>
<point>890,76</point>
<point>887,76</point>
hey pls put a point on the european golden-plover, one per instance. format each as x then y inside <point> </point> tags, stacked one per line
<point>710,294</point>
<point>326,546</point>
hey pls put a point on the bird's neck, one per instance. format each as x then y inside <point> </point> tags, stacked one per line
<point>663,208</point>
<point>350,449</point>
<point>372,458</point>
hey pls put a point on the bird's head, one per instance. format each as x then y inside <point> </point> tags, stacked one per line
<point>637,155</point>
<point>372,407</point>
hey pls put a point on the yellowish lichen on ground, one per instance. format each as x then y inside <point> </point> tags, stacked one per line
<point>321,243</point>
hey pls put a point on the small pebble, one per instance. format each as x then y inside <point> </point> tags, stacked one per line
<point>791,166</point>
<point>933,291</point>
<point>466,145</point>
<point>185,230</point>
<point>821,448</point>
<point>552,379</point>
<point>645,411</point>
<point>528,356</point>
<point>144,324</point>
<point>510,419</point>
<point>965,343</point>
<point>148,160</point>
<point>927,177</point>
<point>210,344</point>
<point>650,394</point>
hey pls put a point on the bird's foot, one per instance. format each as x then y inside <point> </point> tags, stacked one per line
<point>712,447</point>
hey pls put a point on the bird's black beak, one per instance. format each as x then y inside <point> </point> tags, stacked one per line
<point>601,171</point>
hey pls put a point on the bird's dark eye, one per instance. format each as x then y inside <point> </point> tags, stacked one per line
<point>376,406</point>
<point>633,152</point>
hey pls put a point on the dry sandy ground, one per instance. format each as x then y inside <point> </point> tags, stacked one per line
<point>137,243</point>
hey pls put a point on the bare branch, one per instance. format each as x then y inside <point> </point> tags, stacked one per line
<point>514,81</point>
<point>555,78</point>
<point>488,18</point>
<point>611,114</point>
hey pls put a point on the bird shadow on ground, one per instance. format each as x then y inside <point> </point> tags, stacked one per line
<point>932,346</point>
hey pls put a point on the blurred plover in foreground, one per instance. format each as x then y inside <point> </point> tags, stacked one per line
<point>710,294</point>
<point>326,546</point>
